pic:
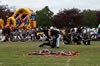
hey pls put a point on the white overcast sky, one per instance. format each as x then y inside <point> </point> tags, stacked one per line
<point>54,5</point>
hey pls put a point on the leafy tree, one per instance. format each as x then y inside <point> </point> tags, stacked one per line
<point>71,17</point>
<point>90,18</point>
<point>5,12</point>
<point>44,17</point>
<point>98,17</point>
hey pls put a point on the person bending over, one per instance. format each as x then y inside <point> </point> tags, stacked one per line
<point>53,34</point>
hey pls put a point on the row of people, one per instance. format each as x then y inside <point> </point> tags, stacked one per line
<point>42,34</point>
<point>22,34</point>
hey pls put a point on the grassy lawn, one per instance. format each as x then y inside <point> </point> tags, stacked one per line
<point>15,54</point>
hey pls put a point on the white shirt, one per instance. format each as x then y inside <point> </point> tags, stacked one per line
<point>0,31</point>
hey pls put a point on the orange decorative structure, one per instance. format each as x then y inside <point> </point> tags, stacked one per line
<point>1,23</point>
<point>22,17</point>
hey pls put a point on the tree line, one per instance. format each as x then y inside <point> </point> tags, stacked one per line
<point>73,17</point>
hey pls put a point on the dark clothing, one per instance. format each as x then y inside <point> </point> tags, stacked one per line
<point>86,40</point>
<point>76,40</point>
<point>46,33</point>
<point>7,31</point>
<point>54,33</point>
<point>6,38</point>
<point>15,29</point>
<point>67,30</point>
<point>66,39</point>
<point>79,30</point>
<point>52,42</point>
<point>4,31</point>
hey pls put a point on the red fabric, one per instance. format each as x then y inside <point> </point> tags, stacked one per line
<point>0,25</point>
<point>31,23</point>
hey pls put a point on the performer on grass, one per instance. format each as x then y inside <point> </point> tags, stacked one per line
<point>54,35</point>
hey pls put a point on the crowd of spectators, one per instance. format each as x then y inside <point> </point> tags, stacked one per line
<point>84,34</point>
<point>81,31</point>
<point>41,34</point>
<point>23,34</point>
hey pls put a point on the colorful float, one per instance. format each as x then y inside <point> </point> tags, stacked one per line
<point>54,53</point>
<point>22,17</point>
<point>1,23</point>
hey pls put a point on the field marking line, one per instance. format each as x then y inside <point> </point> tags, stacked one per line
<point>67,64</point>
<point>32,63</point>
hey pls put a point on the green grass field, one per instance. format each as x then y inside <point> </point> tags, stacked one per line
<point>11,54</point>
